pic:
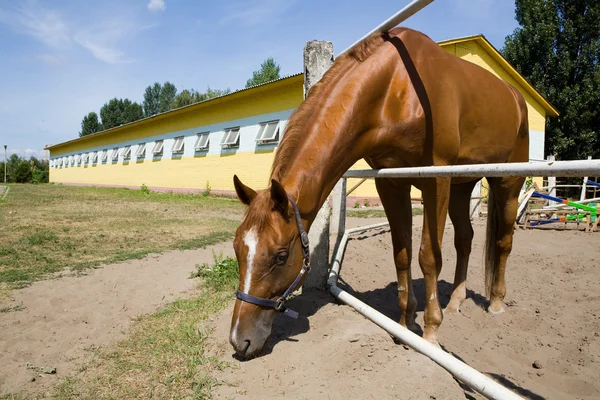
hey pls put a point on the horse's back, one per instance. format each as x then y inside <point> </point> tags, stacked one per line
<point>474,110</point>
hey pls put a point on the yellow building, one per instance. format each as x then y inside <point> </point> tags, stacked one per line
<point>204,144</point>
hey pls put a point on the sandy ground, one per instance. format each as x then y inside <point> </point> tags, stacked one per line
<point>331,352</point>
<point>62,319</point>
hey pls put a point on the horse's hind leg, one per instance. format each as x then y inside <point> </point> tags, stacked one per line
<point>395,197</point>
<point>502,213</point>
<point>459,210</point>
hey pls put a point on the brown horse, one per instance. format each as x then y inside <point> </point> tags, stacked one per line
<point>396,100</point>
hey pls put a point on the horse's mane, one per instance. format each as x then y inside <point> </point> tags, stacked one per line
<point>301,117</point>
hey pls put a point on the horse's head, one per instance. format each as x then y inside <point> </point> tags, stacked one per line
<point>270,252</point>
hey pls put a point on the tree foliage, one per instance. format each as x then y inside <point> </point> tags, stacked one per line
<point>118,112</point>
<point>269,71</point>
<point>166,97</point>
<point>557,48</point>
<point>187,97</point>
<point>19,170</point>
<point>152,100</point>
<point>90,124</point>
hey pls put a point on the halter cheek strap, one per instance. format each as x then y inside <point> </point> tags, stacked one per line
<point>279,304</point>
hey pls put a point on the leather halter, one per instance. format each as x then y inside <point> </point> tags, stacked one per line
<point>279,304</point>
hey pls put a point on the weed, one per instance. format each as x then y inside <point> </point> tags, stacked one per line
<point>366,203</point>
<point>206,191</point>
<point>144,189</point>
<point>39,238</point>
<point>222,275</point>
<point>356,204</point>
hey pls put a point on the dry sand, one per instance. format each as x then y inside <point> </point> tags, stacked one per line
<point>331,352</point>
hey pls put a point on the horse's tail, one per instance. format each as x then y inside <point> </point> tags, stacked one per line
<point>490,249</point>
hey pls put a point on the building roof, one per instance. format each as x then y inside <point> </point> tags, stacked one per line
<point>479,39</point>
<point>175,111</point>
<point>496,56</point>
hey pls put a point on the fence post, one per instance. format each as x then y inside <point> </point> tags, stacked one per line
<point>551,184</point>
<point>318,57</point>
<point>476,202</point>
<point>584,186</point>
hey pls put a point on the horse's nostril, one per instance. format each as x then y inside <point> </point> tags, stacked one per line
<point>246,347</point>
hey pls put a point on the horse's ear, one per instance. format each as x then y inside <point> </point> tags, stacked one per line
<point>279,196</point>
<point>244,193</point>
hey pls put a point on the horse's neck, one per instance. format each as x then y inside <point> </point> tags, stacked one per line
<point>322,154</point>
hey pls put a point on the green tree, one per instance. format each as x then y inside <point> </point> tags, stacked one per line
<point>22,172</point>
<point>166,97</point>
<point>90,124</point>
<point>557,48</point>
<point>184,98</point>
<point>118,112</point>
<point>212,93</point>
<point>152,100</point>
<point>269,71</point>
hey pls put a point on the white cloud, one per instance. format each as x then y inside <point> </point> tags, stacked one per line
<point>103,38</point>
<point>51,59</point>
<point>103,53</point>
<point>156,5</point>
<point>46,26</point>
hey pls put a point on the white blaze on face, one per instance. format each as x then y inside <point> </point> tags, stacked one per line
<point>250,240</point>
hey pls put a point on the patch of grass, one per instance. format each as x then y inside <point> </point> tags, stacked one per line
<point>12,309</point>
<point>47,228</point>
<point>222,275</point>
<point>376,213</point>
<point>164,354</point>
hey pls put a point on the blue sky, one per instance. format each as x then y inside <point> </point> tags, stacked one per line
<point>64,58</point>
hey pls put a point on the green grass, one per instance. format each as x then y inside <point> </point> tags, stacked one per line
<point>376,213</point>
<point>49,228</point>
<point>164,355</point>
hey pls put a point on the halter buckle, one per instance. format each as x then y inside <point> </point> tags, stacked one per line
<point>280,302</point>
<point>304,239</point>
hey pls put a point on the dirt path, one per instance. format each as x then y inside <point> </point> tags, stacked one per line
<point>63,318</point>
<point>332,352</point>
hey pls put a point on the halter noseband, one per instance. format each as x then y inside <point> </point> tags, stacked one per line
<point>279,304</point>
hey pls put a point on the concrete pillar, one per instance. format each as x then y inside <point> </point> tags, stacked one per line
<point>318,57</point>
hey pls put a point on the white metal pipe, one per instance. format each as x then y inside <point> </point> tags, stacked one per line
<point>556,168</point>
<point>475,379</point>
<point>394,20</point>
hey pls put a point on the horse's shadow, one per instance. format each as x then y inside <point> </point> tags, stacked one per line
<point>385,300</point>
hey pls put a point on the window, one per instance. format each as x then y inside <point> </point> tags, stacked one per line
<point>86,157</point>
<point>94,157</point>
<point>268,132</point>
<point>77,159</point>
<point>178,145</point>
<point>158,148</point>
<point>141,150</point>
<point>126,153</point>
<point>231,138</point>
<point>104,155</point>
<point>201,142</point>
<point>115,154</point>
<point>71,161</point>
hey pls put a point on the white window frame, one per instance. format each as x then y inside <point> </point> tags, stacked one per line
<point>261,137</point>
<point>77,159</point>
<point>95,157</point>
<point>126,153</point>
<point>202,141</point>
<point>178,145</point>
<point>157,150</point>
<point>115,154</point>
<point>85,158</point>
<point>231,137</point>
<point>141,150</point>
<point>71,161</point>
<point>104,155</point>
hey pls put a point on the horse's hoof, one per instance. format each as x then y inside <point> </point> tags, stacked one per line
<point>496,308</point>
<point>452,308</point>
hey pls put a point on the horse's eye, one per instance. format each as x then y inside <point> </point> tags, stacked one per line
<point>281,257</point>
